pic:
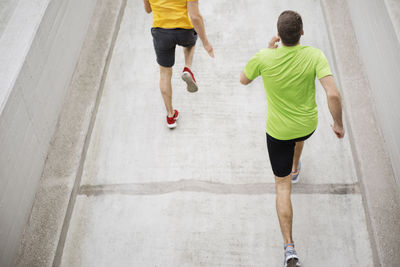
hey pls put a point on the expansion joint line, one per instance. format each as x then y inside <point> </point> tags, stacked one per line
<point>158,188</point>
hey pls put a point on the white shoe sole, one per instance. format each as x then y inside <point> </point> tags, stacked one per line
<point>191,85</point>
<point>172,126</point>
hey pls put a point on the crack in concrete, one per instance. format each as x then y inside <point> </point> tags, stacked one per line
<point>158,188</point>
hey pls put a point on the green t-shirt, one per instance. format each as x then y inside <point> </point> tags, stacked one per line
<point>289,75</point>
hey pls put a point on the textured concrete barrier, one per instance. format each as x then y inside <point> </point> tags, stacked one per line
<point>355,56</point>
<point>375,25</point>
<point>39,49</point>
<point>42,242</point>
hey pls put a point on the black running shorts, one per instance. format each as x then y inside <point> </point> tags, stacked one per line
<point>281,154</point>
<point>165,41</point>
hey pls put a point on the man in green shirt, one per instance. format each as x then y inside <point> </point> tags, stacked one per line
<point>288,73</point>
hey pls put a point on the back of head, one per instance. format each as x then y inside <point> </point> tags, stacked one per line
<point>290,27</point>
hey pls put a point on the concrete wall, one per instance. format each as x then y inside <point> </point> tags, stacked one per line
<point>393,7</point>
<point>7,8</point>
<point>39,49</point>
<point>379,46</point>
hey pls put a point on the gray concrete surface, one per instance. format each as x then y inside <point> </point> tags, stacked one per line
<point>202,194</point>
<point>207,229</point>
<point>393,8</point>
<point>373,164</point>
<point>378,47</point>
<point>116,193</point>
<point>7,8</point>
<point>45,227</point>
<point>39,49</point>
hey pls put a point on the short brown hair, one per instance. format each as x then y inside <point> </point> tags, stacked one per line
<point>290,26</point>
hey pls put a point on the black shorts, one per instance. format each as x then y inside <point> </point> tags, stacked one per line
<point>165,41</point>
<point>281,154</point>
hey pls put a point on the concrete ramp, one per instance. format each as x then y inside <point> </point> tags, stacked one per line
<point>203,194</point>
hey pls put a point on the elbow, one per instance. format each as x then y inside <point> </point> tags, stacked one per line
<point>196,19</point>
<point>334,96</point>
<point>242,81</point>
<point>147,8</point>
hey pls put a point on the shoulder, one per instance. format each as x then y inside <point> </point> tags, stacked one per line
<point>261,56</point>
<point>313,52</point>
<point>265,53</point>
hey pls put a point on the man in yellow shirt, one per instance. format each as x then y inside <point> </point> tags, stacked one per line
<point>176,22</point>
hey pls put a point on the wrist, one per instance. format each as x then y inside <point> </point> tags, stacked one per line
<point>338,124</point>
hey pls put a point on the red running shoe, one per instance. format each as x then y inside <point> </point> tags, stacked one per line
<point>188,77</point>
<point>171,122</point>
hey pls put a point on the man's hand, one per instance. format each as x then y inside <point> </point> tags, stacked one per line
<point>208,47</point>
<point>274,40</point>
<point>338,130</point>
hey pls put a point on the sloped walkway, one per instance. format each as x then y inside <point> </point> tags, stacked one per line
<point>203,194</point>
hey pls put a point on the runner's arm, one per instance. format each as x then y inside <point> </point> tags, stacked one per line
<point>147,6</point>
<point>334,104</point>
<point>198,23</point>
<point>244,80</point>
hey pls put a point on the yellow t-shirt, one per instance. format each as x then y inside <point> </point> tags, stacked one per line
<point>171,14</point>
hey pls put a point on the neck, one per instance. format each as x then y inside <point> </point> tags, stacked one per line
<point>290,45</point>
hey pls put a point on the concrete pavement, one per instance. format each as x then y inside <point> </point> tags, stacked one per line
<point>202,194</point>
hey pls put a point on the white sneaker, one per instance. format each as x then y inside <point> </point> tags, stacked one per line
<point>296,174</point>
<point>291,259</point>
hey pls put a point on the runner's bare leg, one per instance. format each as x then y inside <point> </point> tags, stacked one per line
<point>297,153</point>
<point>166,89</point>
<point>189,53</point>
<point>284,206</point>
